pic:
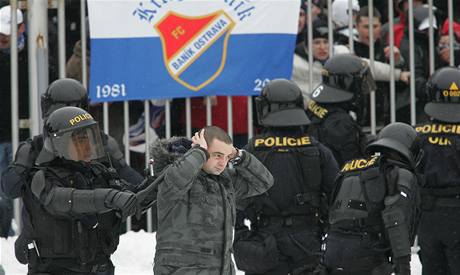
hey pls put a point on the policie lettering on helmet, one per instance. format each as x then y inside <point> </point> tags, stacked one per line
<point>443,93</point>
<point>281,105</point>
<point>63,92</point>
<point>71,133</point>
<point>346,78</point>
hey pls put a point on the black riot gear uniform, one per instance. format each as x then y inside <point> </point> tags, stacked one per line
<point>437,235</point>
<point>374,208</point>
<point>73,204</point>
<point>346,79</point>
<point>286,222</point>
<point>60,93</point>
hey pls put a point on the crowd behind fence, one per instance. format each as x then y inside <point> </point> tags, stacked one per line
<point>421,36</point>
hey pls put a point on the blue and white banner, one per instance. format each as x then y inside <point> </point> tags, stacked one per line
<point>183,48</point>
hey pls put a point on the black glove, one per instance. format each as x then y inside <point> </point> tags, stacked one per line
<point>123,201</point>
<point>23,155</point>
<point>180,146</point>
<point>113,149</point>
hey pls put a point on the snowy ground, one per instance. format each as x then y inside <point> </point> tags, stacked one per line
<point>134,256</point>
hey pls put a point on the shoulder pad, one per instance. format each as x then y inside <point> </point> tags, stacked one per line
<point>286,142</point>
<point>38,183</point>
<point>360,164</point>
<point>24,147</point>
<point>406,178</point>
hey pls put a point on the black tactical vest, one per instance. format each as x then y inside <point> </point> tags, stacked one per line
<point>441,162</point>
<point>358,198</point>
<point>295,163</point>
<point>83,240</point>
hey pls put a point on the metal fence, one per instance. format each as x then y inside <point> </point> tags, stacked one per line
<point>38,51</point>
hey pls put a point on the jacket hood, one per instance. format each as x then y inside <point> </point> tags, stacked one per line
<point>166,151</point>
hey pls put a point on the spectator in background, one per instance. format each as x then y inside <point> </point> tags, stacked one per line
<point>340,18</point>
<point>301,68</point>
<point>443,48</point>
<point>6,205</point>
<point>421,62</point>
<point>300,73</point>
<point>381,53</point>
<point>302,23</point>
<point>317,12</point>
<point>399,22</point>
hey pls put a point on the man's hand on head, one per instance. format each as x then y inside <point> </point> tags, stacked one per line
<point>198,139</point>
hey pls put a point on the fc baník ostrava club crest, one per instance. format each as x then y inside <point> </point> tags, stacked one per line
<point>195,48</point>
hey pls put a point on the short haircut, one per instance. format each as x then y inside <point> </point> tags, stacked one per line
<point>214,132</point>
<point>364,12</point>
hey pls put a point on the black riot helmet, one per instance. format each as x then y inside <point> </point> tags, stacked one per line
<point>71,133</point>
<point>281,105</point>
<point>346,78</point>
<point>397,138</point>
<point>63,92</point>
<point>443,92</point>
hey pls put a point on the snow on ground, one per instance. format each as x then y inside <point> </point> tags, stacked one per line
<point>134,256</point>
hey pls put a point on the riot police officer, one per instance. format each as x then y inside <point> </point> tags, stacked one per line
<point>438,230</point>
<point>286,222</point>
<point>337,105</point>
<point>74,205</point>
<point>62,92</point>
<point>374,207</point>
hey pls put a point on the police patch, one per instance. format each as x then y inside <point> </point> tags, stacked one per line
<point>268,142</point>
<point>358,164</point>
<point>189,43</point>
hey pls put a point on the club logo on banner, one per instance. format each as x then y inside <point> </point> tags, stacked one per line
<point>185,39</point>
<point>182,48</point>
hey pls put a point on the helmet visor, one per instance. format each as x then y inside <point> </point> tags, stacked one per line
<point>82,144</point>
<point>350,81</point>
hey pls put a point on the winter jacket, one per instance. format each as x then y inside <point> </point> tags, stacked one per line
<point>196,213</point>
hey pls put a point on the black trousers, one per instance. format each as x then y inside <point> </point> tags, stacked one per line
<point>355,254</point>
<point>300,250</point>
<point>439,240</point>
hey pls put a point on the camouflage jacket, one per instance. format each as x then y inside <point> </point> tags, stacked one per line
<point>196,213</point>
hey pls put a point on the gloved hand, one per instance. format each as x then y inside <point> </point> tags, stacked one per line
<point>113,149</point>
<point>180,146</point>
<point>123,201</point>
<point>23,155</point>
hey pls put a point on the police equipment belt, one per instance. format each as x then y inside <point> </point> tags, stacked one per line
<point>287,221</point>
<point>440,197</point>
<point>362,225</point>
